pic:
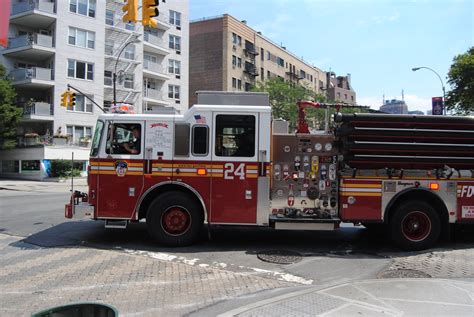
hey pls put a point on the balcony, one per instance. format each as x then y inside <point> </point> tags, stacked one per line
<point>35,77</point>
<point>153,97</point>
<point>294,75</point>
<point>154,70</point>
<point>38,14</point>
<point>38,111</point>
<point>251,70</point>
<point>250,49</point>
<point>154,44</point>
<point>30,47</point>
<point>118,25</point>
<point>162,21</point>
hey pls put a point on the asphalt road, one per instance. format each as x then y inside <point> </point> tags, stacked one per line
<point>350,253</point>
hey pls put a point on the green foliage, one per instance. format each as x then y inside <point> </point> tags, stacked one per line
<point>461,78</point>
<point>283,98</point>
<point>62,168</point>
<point>10,114</point>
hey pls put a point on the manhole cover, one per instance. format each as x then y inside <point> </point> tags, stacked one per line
<point>279,256</point>
<point>403,273</point>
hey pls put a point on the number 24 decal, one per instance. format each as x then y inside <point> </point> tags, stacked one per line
<point>230,171</point>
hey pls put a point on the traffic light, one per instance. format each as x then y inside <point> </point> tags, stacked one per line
<point>65,99</point>
<point>131,11</point>
<point>72,99</point>
<point>149,11</point>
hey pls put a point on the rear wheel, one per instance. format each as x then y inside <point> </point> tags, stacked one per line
<point>415,225</point>
<point>174,219</point>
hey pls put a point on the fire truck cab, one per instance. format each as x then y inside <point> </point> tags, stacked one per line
<point>225,162</point>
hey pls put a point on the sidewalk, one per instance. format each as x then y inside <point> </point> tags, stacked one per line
<point>392,297</point>
<point>35,278</point>
<point>37,186</point>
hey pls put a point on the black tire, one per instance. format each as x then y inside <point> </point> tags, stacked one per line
<point>174,219</point>
<point>415,225</point>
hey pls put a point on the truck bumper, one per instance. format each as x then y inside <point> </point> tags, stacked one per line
<point>80,211</point>
<point>78,207</point>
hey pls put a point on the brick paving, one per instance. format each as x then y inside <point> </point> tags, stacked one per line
<point>439,264</point>
<point>34,279</point>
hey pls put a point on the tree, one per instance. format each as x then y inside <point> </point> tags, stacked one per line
<point>283,97</point>
<point>461,78</point>
<point>9,113</point>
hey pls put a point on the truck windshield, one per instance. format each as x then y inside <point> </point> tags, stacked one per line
<point>96,141</point>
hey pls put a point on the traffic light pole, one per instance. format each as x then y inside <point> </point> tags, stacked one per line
<point>85,96</point>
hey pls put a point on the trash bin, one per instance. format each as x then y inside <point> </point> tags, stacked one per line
<point>79,310</point>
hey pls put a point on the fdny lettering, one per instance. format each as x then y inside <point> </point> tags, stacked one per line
<point>163,125</point>
<point>467,191</point>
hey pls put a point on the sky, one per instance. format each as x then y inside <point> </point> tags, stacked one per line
<point>377,41</point>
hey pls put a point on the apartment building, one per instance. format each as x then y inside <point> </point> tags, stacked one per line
<point>226,54</point>
<point>340,89</point>
<point>53,43</point>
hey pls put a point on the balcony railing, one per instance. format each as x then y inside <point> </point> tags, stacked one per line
<point>154,40</point>
<point>21,7</point>
<point>31,73</point>
<point>38,109</point>
<point>31,39</point>
<point>153,67</point>
<point>153,94</point>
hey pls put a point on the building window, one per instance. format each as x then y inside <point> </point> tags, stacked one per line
<point>30,166</point>
<point>262,73</point>
<point>268,74</point>
<point>108,78</point>
<point>345,96</point>
<point>235,135</point>
<point>280,61</point>
<point>10,166</point>
<point>82,104</point>
<point>352,98</point>
<point>269,55</point>
<point>239,62</point>
<point>236,39</point>
<point>262,54</point>
<point>174,67</point>
<point>76,132</point>
<point>175,42</point>
<point>234,82</point>
<point>128,81</point>
<point>83,7</point>
<point>109,17</point>
<point>175,18</point>
<point>80,70</point>
<point>234,60</point>
<point>338,95</point>
<point>239,84</point>
<point>81,38</point>
<point>129,52</point>
<point>173,92</point>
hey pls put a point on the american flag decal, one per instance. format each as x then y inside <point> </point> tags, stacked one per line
<point>200,119</point>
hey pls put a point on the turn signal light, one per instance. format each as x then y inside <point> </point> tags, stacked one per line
<point>201,171</point>
<point>434,186</point>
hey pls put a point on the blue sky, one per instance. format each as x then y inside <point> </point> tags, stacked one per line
<point>377,41</point>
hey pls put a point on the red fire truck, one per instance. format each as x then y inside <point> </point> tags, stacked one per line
<point>225,162</point>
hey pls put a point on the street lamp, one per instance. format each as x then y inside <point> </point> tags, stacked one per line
<point>442,84</point>
<point>114,75</point>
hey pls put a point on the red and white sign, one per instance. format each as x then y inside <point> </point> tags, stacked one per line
<point>468,211</point>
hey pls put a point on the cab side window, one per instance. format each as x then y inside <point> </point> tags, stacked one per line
<point>200,144</point>
<point>124,138</point>
<point>235,135</point>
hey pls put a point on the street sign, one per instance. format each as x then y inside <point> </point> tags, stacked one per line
<point>437,106</point>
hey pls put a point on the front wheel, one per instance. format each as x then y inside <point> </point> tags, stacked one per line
<point>415,225</point>
<point>174,219</point>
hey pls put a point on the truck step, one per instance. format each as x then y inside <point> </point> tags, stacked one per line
<point>284,223</point>
<point>116,224</point>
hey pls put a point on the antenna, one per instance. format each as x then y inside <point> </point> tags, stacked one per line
<point>403,96</point>
<point>383,99</point>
